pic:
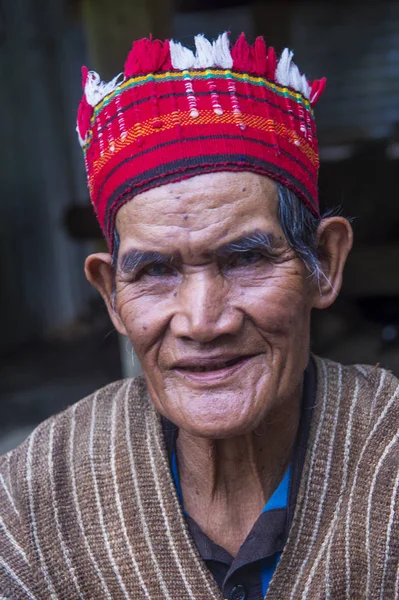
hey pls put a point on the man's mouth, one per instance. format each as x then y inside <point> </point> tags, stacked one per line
<point>211,370</point>
<point>213,366</point>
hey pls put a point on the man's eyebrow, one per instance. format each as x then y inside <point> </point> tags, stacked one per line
<point>132,259</point>
<point>255,240</point>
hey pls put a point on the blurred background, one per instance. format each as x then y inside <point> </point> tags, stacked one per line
<point>57,344</point>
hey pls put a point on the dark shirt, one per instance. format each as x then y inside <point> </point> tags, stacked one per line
<point>240,577</point>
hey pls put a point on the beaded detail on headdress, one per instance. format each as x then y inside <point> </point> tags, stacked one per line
<point>174,113</point>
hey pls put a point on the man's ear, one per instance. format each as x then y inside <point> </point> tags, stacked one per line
<point>99,272</point>
<point>334,241</point>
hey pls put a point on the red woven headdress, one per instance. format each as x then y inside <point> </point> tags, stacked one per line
<point>174,114</point>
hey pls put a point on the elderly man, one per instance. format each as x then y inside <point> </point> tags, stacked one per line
<point>239,466</point>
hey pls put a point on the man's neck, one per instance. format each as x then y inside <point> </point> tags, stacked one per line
<point>226,482</point>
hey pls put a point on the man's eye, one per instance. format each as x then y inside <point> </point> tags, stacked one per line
<point>157,270</point>
<point>244,259</point>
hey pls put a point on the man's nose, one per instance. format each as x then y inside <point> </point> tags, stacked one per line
<point>204,310</point>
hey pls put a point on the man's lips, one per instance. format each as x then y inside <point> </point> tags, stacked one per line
<point>211,367</point>
<point>213,363</point>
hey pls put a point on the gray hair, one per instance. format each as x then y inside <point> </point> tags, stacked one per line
<point>299,226</point>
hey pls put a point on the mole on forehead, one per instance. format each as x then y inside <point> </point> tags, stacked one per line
<point>187,226</point>
<point>195,204</point>
<point>178,213</point>
<point>192,219</point>
<point>210,187</point>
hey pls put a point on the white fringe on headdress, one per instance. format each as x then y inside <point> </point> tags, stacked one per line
<point>96,90</point>
<point>221,51</point>
<point>287,74</point>
<point>215,54</point>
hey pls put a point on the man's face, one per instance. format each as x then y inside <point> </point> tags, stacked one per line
<point>215,303</point>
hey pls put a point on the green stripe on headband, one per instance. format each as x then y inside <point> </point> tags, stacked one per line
<point>205,74</point>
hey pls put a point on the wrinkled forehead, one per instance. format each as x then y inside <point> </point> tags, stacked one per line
<point>201,212</point>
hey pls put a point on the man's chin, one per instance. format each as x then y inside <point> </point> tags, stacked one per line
<point>218,430</point>
<point>215,413</point>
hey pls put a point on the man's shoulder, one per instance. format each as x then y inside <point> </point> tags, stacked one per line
<point>60,480</point>
<point>102,398</point>
<point>52,445</point>
<point>376,386</point>
<point>360,404</point>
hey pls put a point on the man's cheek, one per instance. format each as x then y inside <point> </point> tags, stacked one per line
<point>277,313</point>
<point>144,321</point>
